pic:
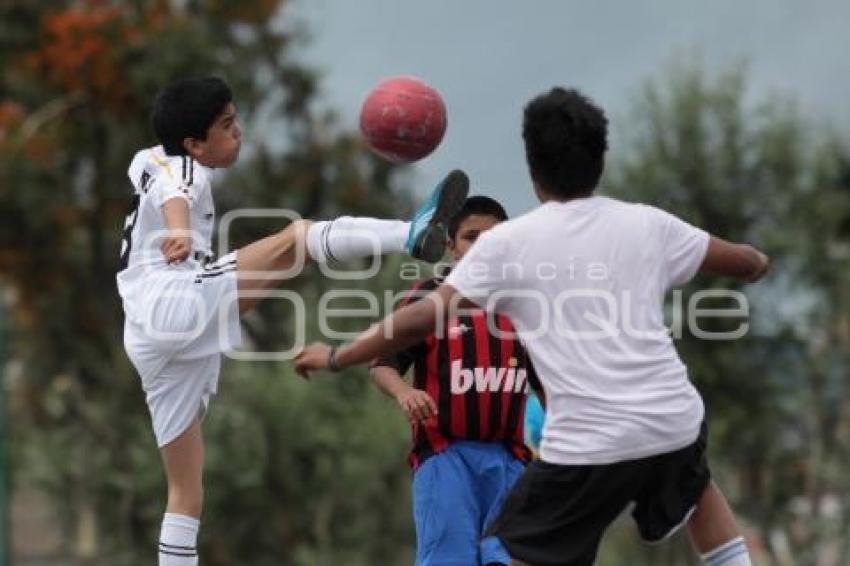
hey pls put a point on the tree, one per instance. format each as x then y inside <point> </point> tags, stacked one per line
<point>777,399</point>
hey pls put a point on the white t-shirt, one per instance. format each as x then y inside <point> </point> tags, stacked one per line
<point>584,283</point>
<point>157,178</point>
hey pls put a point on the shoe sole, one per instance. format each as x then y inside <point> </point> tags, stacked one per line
<point>432,242</point>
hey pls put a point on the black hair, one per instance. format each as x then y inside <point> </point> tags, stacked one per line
<point>565,137</point>
<point>186,109</point>
<point>480,205</point>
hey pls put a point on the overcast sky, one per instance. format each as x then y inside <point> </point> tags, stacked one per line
<point>488,57</point>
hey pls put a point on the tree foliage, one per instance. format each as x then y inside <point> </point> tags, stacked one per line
<point>777,399</point>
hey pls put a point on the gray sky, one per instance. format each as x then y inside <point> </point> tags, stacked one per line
<point>488,57</point>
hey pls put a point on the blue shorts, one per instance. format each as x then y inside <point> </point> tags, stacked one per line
<point>456,494</point>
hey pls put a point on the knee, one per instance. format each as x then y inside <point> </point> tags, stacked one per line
<point>295,232</point>
<point>298,228</point>
<point>294,237</point>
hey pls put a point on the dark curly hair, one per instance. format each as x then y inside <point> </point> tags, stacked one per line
<point>565,137</point>
<point>476,205</point>
<point>186,109</point>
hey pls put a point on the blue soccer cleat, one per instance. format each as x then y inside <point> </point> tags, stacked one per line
<point>427,239</point>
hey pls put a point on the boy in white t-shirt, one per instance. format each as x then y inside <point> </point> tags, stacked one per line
<point>182,306</point>
<point>583,278</point>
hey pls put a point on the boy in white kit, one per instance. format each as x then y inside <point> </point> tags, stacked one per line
<point>182,306</point>
<point>583,279</point>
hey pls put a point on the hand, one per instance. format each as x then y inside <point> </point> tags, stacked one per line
<point>313,357</point>
<point>763,263</point>
<point>417,405</point>
<point>176,249</point>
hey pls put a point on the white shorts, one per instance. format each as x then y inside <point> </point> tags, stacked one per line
<point>188,317</point>
<point>179,394</point>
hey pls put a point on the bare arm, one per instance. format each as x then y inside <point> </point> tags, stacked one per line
<point>416,404</point>
<point>741,261</point>
<point>403,328</point>
<point>389,381</point>
<point>178,243</point>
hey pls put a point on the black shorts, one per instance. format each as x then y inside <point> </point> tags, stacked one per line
<point>556,515</point>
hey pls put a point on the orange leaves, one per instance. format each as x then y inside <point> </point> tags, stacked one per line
<point>81,49</point>
<point>11,116</point>
<point>40,149</point>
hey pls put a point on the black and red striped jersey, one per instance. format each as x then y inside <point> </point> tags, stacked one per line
<point>478,378</point>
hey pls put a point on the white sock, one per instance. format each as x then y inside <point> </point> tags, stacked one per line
<point>348,237</point>
<point>732,553</point>
<point>178,540</point>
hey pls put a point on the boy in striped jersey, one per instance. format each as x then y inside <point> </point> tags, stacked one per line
<point>182,306</point>
<point>466,408</point>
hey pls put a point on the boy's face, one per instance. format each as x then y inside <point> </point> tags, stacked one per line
<point>470,228</point>
<point>224,138</point>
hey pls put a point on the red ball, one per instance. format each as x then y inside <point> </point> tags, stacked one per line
<point>403,119</point>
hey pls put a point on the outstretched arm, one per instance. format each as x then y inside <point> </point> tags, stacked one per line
<point>741,261</point>
<point>403,328</point>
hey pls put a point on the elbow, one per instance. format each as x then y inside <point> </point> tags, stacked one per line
<point>423,326</point>
<point>412,334</point>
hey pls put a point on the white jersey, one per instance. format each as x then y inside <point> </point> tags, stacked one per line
<point>157,178</point>
<point>179,317</point>
<point>584,284</point>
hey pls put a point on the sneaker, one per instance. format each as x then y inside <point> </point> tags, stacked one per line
<point>427,238</point>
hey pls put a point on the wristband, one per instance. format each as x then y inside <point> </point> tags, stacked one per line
<point>333,363</point>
